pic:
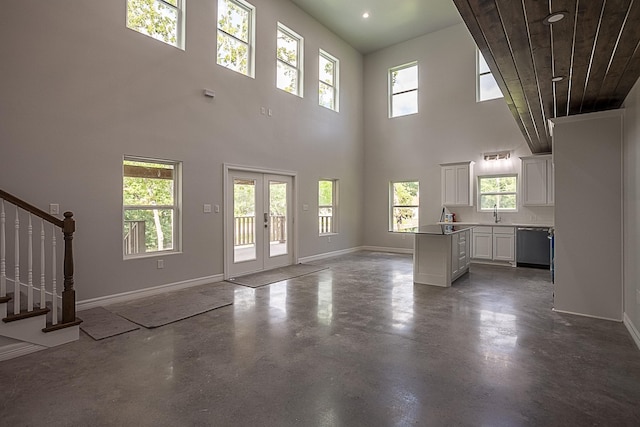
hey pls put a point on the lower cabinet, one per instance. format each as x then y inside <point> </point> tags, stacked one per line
<point>494,243</point>
<point>460,254</point>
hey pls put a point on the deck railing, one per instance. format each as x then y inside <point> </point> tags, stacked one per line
<point>134,237</point>
<point>32,225</point>
<point>326,225</point>
<point>244,229</point>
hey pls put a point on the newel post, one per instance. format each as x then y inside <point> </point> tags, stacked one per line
<point>68,294</point>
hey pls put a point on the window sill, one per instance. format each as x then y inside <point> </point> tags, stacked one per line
<point>151,255</point>
<point>327,234</point>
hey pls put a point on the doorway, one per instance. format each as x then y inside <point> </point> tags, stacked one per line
<point>258,222</point>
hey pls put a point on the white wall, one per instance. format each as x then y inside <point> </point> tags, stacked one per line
<point>631,198</point>
<point>587,154</point>
<point>79,90</point>
<point>450,127</point>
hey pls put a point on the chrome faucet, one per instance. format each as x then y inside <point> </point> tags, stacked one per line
<point>496,219</point>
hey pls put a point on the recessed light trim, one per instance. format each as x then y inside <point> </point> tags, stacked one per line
<point>557,79</point>
<point>365,15</point>
<point>555,17</point>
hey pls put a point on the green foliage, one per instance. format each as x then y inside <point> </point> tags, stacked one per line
<point>244,198</point>
<point>325,193</point>
<point>498,191</point>
<point>139,197</point>
<point>233,36</point>
<point>154,18</point>
<point>277,198</point>
<point>287,53</point>
<point>406,198</point>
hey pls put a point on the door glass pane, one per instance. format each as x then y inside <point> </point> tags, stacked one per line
<point>244,221</point>
<point>277,218</point>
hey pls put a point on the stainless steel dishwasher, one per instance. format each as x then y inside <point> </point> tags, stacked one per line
<point>533,248</point>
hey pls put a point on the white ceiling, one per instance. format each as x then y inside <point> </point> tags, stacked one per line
<point>390,21</point>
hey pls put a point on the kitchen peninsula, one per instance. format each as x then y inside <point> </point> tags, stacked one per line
<point>441,253</point>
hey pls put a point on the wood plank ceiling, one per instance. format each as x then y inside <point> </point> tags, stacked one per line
<point>595,49</point>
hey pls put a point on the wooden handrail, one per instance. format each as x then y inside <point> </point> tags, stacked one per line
<point>68,227</point>
<point>30,208</point>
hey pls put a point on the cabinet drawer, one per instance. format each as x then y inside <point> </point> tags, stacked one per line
<point>480,230</point>
<point>504,230</point>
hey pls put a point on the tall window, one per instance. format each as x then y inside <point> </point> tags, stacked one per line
<point>151,203</point>
<point>498,192</point>
<point>236,36</point>
<point>161,19</point>
<point>487,86</point>
<point>405,204</point>
<point>327,205</point>
<point>289,60</point>
<point>328,84</point>
<point>403,90</point>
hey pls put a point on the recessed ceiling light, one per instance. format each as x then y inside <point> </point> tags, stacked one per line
<point>365,15</point>
<point>557,79</point>
<point>555,17</point>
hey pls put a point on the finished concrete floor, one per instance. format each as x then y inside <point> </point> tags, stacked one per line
<point>354,345</point>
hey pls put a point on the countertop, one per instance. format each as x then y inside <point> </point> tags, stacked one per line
<point>436,229</point>
<point>493,224</point>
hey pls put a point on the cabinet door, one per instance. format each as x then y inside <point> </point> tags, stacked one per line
<point>455,256</point>
<point>462,185</point>
<point>550,183</point>
<point>448,185</point>
<point>534,182</point>
<point>503,247</point>
<point>482,246</point>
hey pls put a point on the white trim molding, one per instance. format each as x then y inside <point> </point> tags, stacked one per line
<point>632,330</point>
<point>11,351</point>
<point>326,255</point>
<point>586,315</point>
<point>385,249</point>
<point>147,292</point>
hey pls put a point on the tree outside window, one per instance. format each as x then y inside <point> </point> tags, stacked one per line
<point>403,90</point>
<point>150,201</point>
<point>289,61</point>
<point>160,19</point>
<point>328,81</point>
<point>405,205</point>
<point>235,36</point>
<point>498,192</point>
<point>327,201</point>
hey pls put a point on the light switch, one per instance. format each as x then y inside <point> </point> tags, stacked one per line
<point>207,208</point>
<point>305,207</point>
<point>217,208</point>
<point>54,209</point>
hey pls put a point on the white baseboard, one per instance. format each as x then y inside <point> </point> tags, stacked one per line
<point>632,330</point>
<point>147,292</point>
<point>11,351</point>
<point>586,315</point>
<point>328,255</point>
<point>385,249</point>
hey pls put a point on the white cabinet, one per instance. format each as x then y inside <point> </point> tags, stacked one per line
<point>537,181</point>
<point>504,244</point>
<point>457,184</point>
<point>483,243</point>
<point>439,259</point>
<point>494,244</point>
<point>460,256</point>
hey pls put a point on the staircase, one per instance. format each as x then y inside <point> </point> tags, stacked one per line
<point>32,309</point>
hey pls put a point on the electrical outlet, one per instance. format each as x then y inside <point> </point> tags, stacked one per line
<point>160,263</point>
<point>54,209</point>
<point>207,208</point>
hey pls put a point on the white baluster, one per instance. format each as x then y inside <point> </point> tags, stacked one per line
<point>54,293</point>
<point>30,266</point>
<point>16,276</point>
<point>42,266</point>
<point>3,265</point>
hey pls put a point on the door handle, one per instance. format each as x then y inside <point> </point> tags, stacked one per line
<point>266,220</point>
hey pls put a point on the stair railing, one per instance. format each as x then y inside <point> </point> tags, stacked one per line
<point>25,211</point>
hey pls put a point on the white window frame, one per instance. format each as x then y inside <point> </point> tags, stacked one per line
<point>479,75</point>
<point>281,28</point>
<point>333,229</point>
<point>392,94</point>
<point>515,193</point>
<point>393,206</point>
<point>176,207</point>
<point>252,37</point>
<point>336,83</point>
<point>180,24</point>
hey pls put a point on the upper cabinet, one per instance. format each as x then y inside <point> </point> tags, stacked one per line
<point>457,184</point>
<point>537,181</point>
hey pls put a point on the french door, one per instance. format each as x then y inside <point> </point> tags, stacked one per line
<point>258,222</point>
